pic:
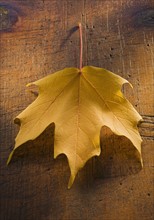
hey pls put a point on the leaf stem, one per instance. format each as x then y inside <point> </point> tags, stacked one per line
<point>81,45</point>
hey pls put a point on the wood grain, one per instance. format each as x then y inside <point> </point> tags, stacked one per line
<point>40,37</point>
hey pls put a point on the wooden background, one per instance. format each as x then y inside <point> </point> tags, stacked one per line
<point>39,37</point>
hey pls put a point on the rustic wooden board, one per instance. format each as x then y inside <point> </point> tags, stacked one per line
<point>39,37</point>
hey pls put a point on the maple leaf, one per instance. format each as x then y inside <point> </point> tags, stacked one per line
<point>79,102</point>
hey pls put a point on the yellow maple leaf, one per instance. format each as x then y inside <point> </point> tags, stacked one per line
<point>79,102</point>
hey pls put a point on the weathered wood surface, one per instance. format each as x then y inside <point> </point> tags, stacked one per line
<point>37,38</point>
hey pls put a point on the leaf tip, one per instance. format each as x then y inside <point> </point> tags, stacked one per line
<point>10,157</point>
<point>127,82</point>
<point>68,187</point>
<point>71,181</point>
<point>130,85</point>
<point>29,84</point>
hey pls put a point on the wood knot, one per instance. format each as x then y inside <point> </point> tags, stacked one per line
<point>145,18</point>
<point>8,17</point>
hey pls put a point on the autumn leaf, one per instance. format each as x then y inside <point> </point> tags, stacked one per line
<point>79,102</point>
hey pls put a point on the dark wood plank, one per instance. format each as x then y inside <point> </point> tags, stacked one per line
<point>39,37</point>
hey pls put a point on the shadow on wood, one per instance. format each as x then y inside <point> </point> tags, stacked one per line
<point>42,146</point>
<point>118,156</point>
